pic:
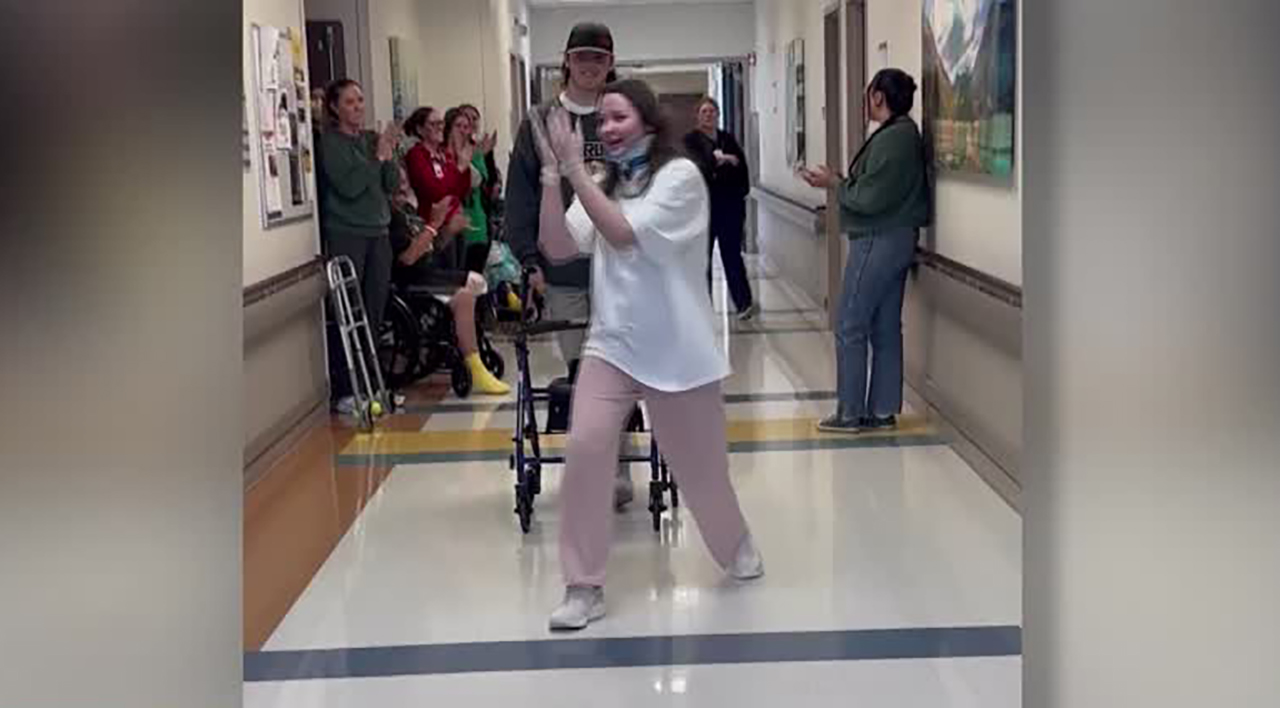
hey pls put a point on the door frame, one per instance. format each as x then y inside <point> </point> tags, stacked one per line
<point>846,68</point>
<point>833,80</point>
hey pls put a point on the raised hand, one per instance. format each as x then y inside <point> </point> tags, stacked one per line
<point>566,141</point>
<point>465,152</point>
<point>388,138</point>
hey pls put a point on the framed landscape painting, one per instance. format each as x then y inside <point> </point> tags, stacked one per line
<point>970,63</point>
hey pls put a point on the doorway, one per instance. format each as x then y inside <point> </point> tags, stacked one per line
<point>326,53</point>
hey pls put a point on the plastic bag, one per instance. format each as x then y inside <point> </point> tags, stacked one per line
<point>502,266</point>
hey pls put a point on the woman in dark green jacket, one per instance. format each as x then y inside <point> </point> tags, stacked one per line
<point>884,202</point>
<point>357,176</point>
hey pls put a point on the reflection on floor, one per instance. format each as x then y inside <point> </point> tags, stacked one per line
<point>389,569</point>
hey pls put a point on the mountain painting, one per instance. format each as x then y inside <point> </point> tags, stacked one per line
<point>970,59</point>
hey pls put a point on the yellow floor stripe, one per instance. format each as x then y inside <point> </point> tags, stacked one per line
<point>392,442</point>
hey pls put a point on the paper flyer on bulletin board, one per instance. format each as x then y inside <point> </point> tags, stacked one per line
<point>281,105</point>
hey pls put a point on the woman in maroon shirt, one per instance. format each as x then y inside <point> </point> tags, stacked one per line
<point>434,172</point>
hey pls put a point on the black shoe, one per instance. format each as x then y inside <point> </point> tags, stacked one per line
<point>836,424</point>
<point>873,423</point>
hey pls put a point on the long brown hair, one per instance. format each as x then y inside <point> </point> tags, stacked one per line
<point>665,148</point>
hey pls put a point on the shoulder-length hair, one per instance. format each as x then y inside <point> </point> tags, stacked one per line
<point>665,147</point>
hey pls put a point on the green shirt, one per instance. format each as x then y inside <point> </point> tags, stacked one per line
<point>887,187</point>
<point>478,231</point>
<point>355,186</point>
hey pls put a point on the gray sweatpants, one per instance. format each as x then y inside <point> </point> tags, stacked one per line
<point>371,256</point>
<point>569,303</point>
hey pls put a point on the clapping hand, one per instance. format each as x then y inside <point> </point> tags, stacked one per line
<point>465,152</point>
<point>487,143</point>
<point>566,141</point>
<point>388,138</point>
<point>820,177</point>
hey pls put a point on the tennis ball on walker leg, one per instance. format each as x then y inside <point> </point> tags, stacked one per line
<point>375,409</point>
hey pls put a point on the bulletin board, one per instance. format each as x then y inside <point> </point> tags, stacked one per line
<point>282,103</point>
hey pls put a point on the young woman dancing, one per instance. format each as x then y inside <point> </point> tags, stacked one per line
<point>651,338</point>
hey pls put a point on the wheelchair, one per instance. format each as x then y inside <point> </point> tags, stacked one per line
<point>417,338</point>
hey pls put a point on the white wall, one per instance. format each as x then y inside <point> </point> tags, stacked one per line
<point>652,32</point>
<point>780,22</point>
<point>269,252</point>
<point>400,18</point>
<point>466,47</point>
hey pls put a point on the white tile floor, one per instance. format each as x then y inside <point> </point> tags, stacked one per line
<point>853,539</point>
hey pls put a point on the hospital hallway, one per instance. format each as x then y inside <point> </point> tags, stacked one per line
<point>389,569</point>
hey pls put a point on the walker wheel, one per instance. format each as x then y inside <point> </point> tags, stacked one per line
<point>524,507</point>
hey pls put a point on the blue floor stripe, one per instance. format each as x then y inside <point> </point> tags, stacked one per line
<point>544,655</point>
<point>745,447</point>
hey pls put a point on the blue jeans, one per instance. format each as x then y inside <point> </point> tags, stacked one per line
<point>875,280</point>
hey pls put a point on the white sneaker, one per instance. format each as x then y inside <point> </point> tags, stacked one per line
<point>345,405</point>
<point>581,607</point>
<point>747,563</point>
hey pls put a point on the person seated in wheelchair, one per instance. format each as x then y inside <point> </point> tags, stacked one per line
<point>416,269</point>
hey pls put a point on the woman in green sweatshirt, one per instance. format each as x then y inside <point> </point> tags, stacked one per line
<point>883,204</point>
<point>358,173</point>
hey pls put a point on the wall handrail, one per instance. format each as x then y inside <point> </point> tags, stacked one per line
<point>790,201</point>
<point>810,218</point>
<point>263,289</point>
<point>985,283</point>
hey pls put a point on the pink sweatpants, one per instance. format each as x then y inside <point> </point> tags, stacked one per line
<point>690,429</point>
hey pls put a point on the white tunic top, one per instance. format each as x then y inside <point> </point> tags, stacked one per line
<point>651,315</point>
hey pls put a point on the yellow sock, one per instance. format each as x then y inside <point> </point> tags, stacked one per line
<point>482,381</point>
